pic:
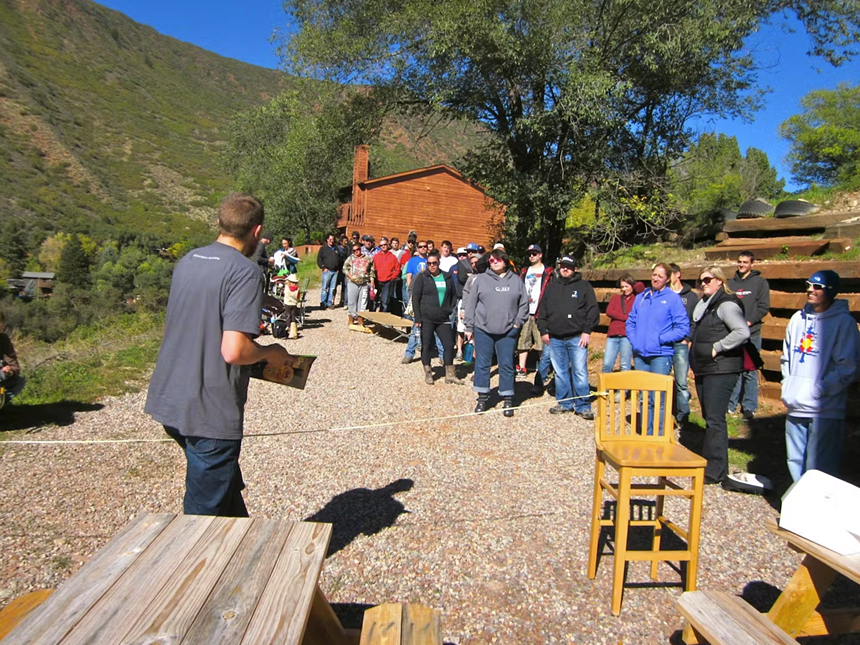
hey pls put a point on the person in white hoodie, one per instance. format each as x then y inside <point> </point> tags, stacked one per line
<point>820,358</point>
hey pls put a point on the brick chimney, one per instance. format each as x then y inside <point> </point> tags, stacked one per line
<point>361,165</point>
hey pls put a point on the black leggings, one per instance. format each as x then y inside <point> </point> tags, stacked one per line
<point>446,334</point>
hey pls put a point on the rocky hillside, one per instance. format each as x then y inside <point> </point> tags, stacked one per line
<point>107,125</point>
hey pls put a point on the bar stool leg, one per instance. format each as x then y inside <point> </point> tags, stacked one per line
<point>657,538</point>
<point>599,471</point>
<point>622,524</point>
<point>693,532</point>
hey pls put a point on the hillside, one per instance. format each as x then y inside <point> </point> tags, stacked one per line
<point>108,127</point>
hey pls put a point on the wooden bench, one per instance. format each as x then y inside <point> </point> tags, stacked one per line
<point>18,609</point>
<point>396,624</point>
<point>721,619</point>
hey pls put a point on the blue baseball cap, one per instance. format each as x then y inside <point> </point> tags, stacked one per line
<point>827,279</point>
<point>471,246</point>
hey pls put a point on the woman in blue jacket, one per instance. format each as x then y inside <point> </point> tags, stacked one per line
<point>657,321</point>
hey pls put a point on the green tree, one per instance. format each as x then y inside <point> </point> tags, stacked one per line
<point>13,247</point>
<point>825,138</point>
<point>296,159</point>
<point>713,175</point>
<point>74,267</point>
<point>577,94</point>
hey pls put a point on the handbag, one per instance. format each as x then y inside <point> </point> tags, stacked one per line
<point>752,359</point>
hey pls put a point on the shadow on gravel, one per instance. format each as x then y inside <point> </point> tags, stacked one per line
<point>31,417</point>
<point>361,511</point>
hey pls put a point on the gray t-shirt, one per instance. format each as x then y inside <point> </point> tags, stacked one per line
<point>193,389</point>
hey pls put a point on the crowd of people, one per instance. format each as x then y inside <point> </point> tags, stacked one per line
<point>470,298</point>
<point>473,302</point>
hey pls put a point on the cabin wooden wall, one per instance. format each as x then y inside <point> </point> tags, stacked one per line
<point>437,204</point>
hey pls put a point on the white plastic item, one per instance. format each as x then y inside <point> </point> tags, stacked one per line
<point>823,509</point>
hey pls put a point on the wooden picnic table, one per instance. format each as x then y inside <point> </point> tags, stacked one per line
<point>174,579</point>
<point>795,611</point>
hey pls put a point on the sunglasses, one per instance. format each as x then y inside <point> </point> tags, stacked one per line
<point>422,246</point>
<point>706,280</point>
<point>534,252</point>
<point>815,286</point>
<point>432,264</point>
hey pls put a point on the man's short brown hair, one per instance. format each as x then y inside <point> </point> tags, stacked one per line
<point>239,214</point>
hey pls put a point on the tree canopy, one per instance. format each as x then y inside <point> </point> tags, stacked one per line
<point>577,93</point>
<point>825,138</point>
<point>714,175</point>
<point>295,158</point>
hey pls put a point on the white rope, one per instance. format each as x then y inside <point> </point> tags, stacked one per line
<point>69,442</point>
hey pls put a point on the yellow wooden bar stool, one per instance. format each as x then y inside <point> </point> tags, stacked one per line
<point>640,444</point>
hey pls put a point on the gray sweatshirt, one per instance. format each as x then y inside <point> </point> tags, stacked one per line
<point>496,303</point>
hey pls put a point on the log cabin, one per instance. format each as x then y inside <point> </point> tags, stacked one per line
<point>437,202</point>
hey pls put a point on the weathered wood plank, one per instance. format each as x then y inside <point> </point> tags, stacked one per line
<point>798,271</point>
<point>382,625</point>
<point>805,223</point>
<point>765,251</point>
<point>740,243</point>
<point>283,608</point>
<point>230,607</point>
<point>843,229</point>
<point>728,620</point>
<point>847,565</point>
<point>52,620</point>
<point>421,626</point>
<point>111,617</point>
<point>797,602</point>
<point>172,611</point>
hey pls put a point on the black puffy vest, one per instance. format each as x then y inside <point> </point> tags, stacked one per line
<point>709,330</point>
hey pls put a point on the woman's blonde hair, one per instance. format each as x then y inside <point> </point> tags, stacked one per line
<point>717,272</point>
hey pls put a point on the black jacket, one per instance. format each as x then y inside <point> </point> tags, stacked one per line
<point>690,300</point>
<point>425,298</point>
<point>329,258</point>
<point>568,308</point>
<point>709,330</point>
<point>754,294</point>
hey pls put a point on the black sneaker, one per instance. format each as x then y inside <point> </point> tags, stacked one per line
<point>559,409</point>
<point>588,415</point>
<point>748,415</point>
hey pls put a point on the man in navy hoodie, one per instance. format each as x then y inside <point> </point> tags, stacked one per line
<point>820,358</point>
<point>568,313</point>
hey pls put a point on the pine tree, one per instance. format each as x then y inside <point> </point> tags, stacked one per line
<point>74,266</point>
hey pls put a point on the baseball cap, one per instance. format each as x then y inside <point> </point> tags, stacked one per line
<point>827,279</point>
<point>534,247</point>
<point>471,246</point>
<point>499,245</point>
<point>461,251</point>
<point>568,261</point>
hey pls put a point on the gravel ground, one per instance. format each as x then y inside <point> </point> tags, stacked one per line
<point>483,518</point>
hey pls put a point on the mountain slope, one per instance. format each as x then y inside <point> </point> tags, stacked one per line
<point>107,125</point>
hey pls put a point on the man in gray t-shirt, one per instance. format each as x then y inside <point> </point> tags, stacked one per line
<point>200,383</point>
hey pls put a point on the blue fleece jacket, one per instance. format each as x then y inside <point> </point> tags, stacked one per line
<point>657,321</point>
<point>820,358</point>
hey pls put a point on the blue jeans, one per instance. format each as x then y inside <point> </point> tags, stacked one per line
<point>213,479</point>
<point>680,367</point>
<point>415,341</point>
<point>813,444</point>
<point>329,286</point>
<point>655,365</point>
<point>383,294</point>
<point>503,345</point>
<point>544,364</point>
<point>568,356</point>
<point>617,345</point>
<point>749,382</point>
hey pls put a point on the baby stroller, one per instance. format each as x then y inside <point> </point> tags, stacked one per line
<point>272,310</point>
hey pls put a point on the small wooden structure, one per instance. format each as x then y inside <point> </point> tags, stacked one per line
<point>194,579</point>
<point>644,447</point>
<point>437,202</point>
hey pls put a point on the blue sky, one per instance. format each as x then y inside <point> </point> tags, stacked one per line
<point>241,30</point>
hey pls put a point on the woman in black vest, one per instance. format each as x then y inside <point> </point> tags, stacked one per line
<point>717,358</point>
